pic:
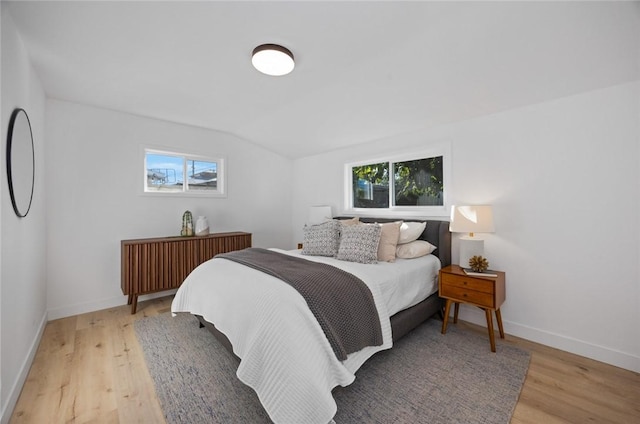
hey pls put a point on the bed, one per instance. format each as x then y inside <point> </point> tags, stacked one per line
<point>283,352</point>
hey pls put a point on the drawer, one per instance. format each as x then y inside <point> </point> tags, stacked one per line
<point>466,295</point>
<point>464,282</point>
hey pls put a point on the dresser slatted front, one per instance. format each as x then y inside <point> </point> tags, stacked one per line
<point>157,264</point>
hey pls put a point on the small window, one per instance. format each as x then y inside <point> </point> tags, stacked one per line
<point>177,173</point>
<point>413,183</point>
<point>419,182</point>
<point>371,185</point>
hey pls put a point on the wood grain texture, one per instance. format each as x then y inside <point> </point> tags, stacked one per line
<point>90,368</point>
<point>158,264</point>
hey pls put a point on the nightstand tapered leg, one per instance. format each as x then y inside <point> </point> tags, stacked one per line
<point>499,319</point>
<point>492,339</point>
<point>456,308</point>
<point>447,308</point>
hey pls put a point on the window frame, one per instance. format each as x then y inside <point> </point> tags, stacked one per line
<point>221,187</point>
<point>393,211</point>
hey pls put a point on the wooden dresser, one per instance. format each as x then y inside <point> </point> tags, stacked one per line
<point>156,264</point>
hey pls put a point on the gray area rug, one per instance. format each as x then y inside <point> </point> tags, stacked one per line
<point>426,378</point>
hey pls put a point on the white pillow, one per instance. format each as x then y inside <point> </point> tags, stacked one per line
<point>414,249</point>
<point>410,231</point>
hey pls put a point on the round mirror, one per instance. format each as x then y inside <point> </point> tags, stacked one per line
<point>20,162</point>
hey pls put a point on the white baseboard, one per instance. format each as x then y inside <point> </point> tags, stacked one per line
<point>16,387</point>
<point>82,308</point>
<point>558,341</point>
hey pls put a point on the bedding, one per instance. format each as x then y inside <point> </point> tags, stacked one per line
<point>285,356</point>
<point>389,235</point>
<point>403,283</point>
<point>340,301</point>
<point>410,231</point>
<point>322,239</point>
<point>359,243</point>
<point>414,249</point>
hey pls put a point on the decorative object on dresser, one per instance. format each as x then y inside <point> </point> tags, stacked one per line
<point>478,264</point>
<point>187,224</point>
<point>202,226</point>
<point>486,292</point>
<point>157,264</point>
<point>471,219</point>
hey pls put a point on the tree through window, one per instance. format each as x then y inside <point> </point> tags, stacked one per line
<point>400,184</point>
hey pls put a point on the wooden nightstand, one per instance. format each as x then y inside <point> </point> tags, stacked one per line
<point>487,293</point>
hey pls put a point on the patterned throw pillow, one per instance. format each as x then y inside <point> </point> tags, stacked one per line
<point>322,239</point>
<point>359,243</point>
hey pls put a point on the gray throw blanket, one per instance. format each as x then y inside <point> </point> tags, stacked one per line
<point>340,301</point>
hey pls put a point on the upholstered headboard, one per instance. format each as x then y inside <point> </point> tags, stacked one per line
<point>436,233</point>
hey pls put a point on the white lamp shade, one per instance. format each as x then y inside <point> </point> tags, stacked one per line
<point>471,219</point>
<point>272,59</point>
<point>319,214</point>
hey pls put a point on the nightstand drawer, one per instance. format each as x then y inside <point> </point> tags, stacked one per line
<point>468,296</point>
<point>477,284</point>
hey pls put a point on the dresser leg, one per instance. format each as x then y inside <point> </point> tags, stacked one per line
<point>447,308</point>
<point>499,319</point>
<point>134,304</point>
<point>492,339</point>
<point>456,308</point>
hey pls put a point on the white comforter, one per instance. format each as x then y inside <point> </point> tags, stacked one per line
<point>285,356</point>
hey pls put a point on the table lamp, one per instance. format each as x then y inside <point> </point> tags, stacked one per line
<point>471,220</point>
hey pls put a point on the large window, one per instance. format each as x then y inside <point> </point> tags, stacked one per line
<point>410,183</point>
<point>176,173</point>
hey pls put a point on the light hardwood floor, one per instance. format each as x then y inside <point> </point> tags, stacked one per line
<point>90,368</point>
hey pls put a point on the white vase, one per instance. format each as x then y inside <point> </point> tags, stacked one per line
<point>202,226</point>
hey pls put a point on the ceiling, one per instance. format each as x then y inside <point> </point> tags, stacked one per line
<point>364,70</point>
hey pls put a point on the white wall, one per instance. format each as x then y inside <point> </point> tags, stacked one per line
<point>94,170</point>
<point>22,240</point>
<point>563,179</point>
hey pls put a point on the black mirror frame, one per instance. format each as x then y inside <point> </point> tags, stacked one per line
<point>14,116</point>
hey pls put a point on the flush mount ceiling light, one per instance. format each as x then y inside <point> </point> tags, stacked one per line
<point>272,59</point>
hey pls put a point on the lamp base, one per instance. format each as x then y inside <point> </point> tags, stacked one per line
<point>470,247</point>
